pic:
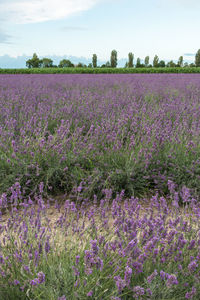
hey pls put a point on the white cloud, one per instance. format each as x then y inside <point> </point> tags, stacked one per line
<point>33,11</point>
<point>74,28</point>
<point>4,38</point>
<point>181,4</point>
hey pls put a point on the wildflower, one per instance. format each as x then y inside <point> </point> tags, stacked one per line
<point>138,267</point>
<point>88,271</point>
<point>99,263</point>
<point>171,186</point>
<point>192,244</point>
<point>149,291</point>
<point>163,275</point>
<point>127,275</point>
<point>152,276</point>
<point>62,298</point>
<point>34,282</point>
<point>47,246</point>
<point>41,187</point>
<point>120,283</point>
<point>94,246</point>
<point>90,294</point>
<point>139,291</point>
<point>189,295</point>
<point>180,267</point>
<point>77,259</point>
<point>77,282</point>
<point>76,272</point>
<point>192,266</point>
<point>171,280</point>
<point>2,260</point>
<point>41,277</point>
<point>16,282</point>
<point>176,200</point>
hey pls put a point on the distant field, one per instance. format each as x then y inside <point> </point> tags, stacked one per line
<point>99,70</point>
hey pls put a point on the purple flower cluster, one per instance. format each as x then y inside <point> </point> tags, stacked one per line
<point>38,280</point>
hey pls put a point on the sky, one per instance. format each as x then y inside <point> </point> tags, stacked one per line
<point>168,28</point>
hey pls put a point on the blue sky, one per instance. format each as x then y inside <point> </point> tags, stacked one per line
<point>168,28</point>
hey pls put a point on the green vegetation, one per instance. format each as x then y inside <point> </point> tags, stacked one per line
<point>106,70</point>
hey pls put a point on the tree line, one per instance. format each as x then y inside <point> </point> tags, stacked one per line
<point>45,62</point>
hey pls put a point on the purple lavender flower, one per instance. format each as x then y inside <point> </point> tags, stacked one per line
<point>62,298</point>
<point>77,259</point>
<point>120,283</point>
<point>16,282</point>
<point>47,246</point>
<point>163,275</point>
<point>89,294</point>
<point>138,267</point>
<point>76,272</point>
<point>94,246</point>
<point>34,282</point>
<point>192,244</point>
<point>152,276</point>
<point>41,277</point>
<point>190,295</point>
<point>149,291</point>
<point>2,260</point>
<point>128,275</point>
<point>171,280</point>
<point>26,268</point>
<point>138,291</point>
<point>192,266</point>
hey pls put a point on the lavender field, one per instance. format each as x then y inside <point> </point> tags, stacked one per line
<point>85,133</point>
<point>100,186</point>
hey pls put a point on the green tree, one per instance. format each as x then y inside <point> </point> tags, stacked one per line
<point>46,63</point>
<point>138,63</point>
<point>180,62</point>
<point>34,62</point>
<point>107,64</point>
<point>81,65</point>
<point>197,58</point>
<point>171,64</point>
<point>89,65</point>
<point>156,61</point>
<point>94,60</point>
<point>130,60</point>
<point>161,64</point>
<point>146,61</point>
<point>65,63</point>
<point>113,59</point>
